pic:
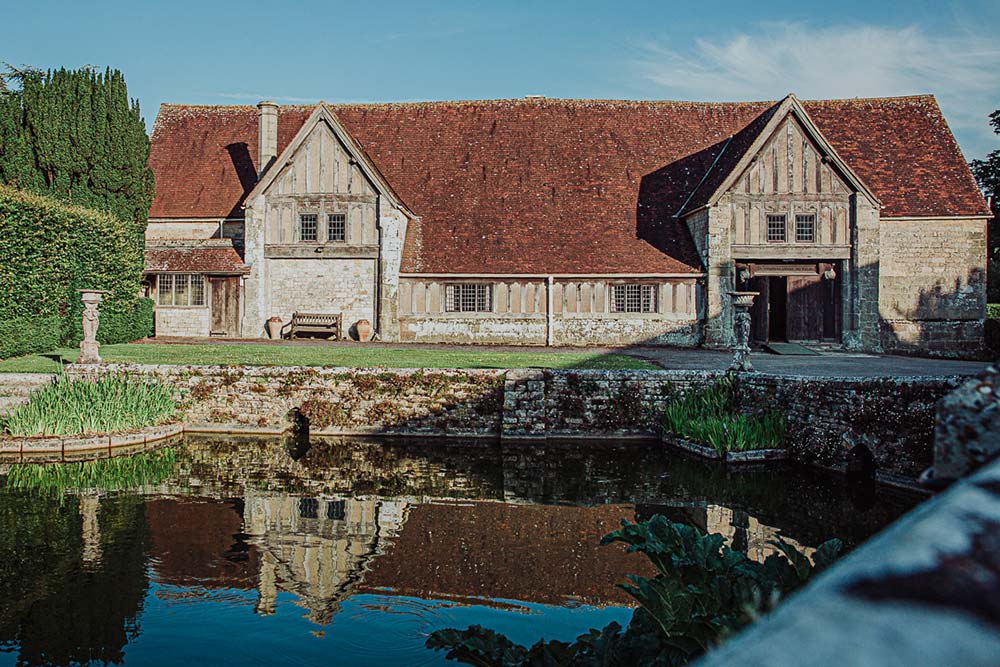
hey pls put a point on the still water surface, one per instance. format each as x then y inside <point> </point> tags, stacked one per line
<point>351,552</point>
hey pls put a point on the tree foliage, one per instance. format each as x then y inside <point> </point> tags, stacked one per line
<point>987,172</point>
<point>702,593</point>
<point>75,135</point>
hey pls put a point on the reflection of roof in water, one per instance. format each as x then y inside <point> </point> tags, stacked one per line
<point>532,553</point>
<point>198,543</point>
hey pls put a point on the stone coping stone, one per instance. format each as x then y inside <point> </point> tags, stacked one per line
<point>513,373</point>
<point>701,451</point>
<point>45,449</point>
<point>264,371</point>
<point>706,452</point>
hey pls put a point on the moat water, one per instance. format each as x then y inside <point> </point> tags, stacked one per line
<point>251,551</point>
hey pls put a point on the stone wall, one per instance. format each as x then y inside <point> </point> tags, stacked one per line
<point>176,321</point>
<point>932,292</point>
<point>322,286</point>
<point>893,417</point>
<point>255,399</point>
<point>597,329</point>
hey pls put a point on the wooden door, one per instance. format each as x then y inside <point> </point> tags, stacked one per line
<point>807,306</point>
<point>225,306</point>
<point>777,308</point>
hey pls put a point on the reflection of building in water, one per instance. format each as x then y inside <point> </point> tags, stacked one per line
<point>316,548</point>
<point>90,529</point>
<point>742,531</point>
<point>358,516</point>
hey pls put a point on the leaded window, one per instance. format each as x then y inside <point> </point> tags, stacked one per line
<point>308,227</point>
<point>336,227</point>
<point>805,228</point>
<point>776,228</point>
<point>633,298</point>
<point>165,290</point>
<point>469,298</point>
<point>180,289</point>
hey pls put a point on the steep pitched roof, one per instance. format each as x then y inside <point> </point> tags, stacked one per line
<point>560,186</point>
<point>737,153</point>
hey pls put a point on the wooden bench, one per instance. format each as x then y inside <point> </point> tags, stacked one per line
<point>313,323</point>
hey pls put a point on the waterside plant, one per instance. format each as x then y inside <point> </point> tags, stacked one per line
<point>113,474</point>
<point>702,593</point>
<point>709,416</point>
<point>110,403</point>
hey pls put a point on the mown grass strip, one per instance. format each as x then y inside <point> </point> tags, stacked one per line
<point>375,356</point>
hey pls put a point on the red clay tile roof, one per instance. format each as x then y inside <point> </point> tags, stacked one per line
<point>557,186</point>
<point>194,259</point>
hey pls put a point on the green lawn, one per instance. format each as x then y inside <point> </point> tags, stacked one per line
<point>356,357</point>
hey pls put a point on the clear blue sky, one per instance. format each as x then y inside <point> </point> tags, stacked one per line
<point>226,52</point>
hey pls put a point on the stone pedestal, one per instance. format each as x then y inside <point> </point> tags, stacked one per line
<point>89,347</point>
<point>742,302</point>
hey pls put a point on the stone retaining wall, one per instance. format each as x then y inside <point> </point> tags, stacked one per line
<point>893,417</point>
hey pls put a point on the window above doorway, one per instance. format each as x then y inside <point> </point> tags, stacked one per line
<point>776,228</point>
<point>805,228</point>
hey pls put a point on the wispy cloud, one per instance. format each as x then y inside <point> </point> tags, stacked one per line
<point>959,67</point>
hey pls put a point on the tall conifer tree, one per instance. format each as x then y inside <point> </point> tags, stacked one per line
<point>75,135</point>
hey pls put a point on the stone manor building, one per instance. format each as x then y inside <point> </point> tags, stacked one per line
<point>568,222</point>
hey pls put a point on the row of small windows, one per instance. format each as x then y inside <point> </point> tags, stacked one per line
<point>805,228</point>
<point>336,227</point>
<point>478,298</point>
<point>180,289</point>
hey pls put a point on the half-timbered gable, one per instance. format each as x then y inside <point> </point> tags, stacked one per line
<point>314,229</point>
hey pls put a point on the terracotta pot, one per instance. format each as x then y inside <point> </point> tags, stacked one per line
<point>364,329</point>
<point>274,327</point>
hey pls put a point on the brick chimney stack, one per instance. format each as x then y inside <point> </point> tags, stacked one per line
<point>267,135</point>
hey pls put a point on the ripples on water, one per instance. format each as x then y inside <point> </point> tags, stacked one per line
<point>355,551</point>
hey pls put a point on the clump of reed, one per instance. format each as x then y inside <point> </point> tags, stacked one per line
<point>110,403</point>
<point>114,474</point>
<point>708,416</point>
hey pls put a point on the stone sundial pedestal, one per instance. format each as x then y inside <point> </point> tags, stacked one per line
<point>742,302</point>
<point>89,346</point>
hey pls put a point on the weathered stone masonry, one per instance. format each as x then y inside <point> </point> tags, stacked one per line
<point>893,417</point>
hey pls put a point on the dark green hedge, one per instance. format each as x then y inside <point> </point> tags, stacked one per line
<point>24,335</point>
<point>50,250</point>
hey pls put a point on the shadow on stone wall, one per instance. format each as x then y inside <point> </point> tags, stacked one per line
<point>939,324</point>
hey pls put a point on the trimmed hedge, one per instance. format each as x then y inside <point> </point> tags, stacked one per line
<point>50,250</point>
<point>25,335</point>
